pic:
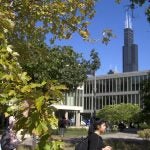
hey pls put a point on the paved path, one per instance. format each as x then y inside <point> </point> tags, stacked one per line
<point>121,135</point>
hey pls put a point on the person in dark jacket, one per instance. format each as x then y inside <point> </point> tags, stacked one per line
<point>62,126</point>
<point>95,139</point>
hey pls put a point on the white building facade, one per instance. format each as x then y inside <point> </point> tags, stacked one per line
<point>113,89</point>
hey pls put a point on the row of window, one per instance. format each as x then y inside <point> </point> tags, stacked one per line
<point>121,84</point>
<point>101,101</point>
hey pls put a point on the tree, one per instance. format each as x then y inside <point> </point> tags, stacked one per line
<point>35,19</point>
<point>140,3</point>
<point>62,64</point>
<point>119,112</point>
<point>145,95</point>
<point>94,63</point>
<point>29,101</point>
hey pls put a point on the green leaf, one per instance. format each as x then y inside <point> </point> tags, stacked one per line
<point>39,102</point>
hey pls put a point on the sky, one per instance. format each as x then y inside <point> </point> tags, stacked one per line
<point>110,15</point>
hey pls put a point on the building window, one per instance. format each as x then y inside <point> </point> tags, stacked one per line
<point>133,83</point>
<point>121,99</point>
<point>121,80</point>
<point>107,85</point>
<point>118,85</point>
<point>85,103</point>
<point>88,87</point>
<point>91,87</point>
<point>114,84</point>
<point>137,99</point>
<point>88,104</point>
<point>97,102</point>
<point>125,84</point>
<point>129,83</point>
<point>104,86</point>
<point>104,101</point>
<point>101,104</point>
<point>97,86</point>
<point>111,85</point>
<point>125,99</point>
<point>137,83</point>
<point>100,86</point>
<point>133,99</point>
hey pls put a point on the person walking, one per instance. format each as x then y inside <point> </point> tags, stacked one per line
<point>95,141</point>
<point>62,126</point>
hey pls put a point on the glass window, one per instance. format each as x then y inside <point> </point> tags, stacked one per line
<point>111,82</point>
<point>125,84</point>
<point>90,106</point>
<point>121,98</point>
<point>125,99</point>
<point>107,85</point>
<point>91,86</point>
<point>133,83</point>
<point>88,103</point>
<point>137,83</point>
<point>137,99</point>
<point>114,85</point>
<point>133,99</point>
<point>100,100</point>
<point>85,103</point>
<point>97,102</point>
<point>97,86</point>
<point>104,86</point>
<point>101,86</point>
<point>129,83</point>
<point>107,100</point>
<point>104,101</point>
<point>88,87</point>
<point>118,85</point>
<point>121,80</point>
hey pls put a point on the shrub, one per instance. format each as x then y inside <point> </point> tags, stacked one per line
<point>145,134</point>
<point>144,126</point>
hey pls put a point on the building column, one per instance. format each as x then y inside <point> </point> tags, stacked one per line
<point>127,84</point>
<point>66,115</point>
<point>77,119</point>
<point>102,102</point>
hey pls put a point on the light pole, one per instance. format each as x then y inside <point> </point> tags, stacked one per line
<point>94,94</point>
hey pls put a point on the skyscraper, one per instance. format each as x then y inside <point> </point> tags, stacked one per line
<point>130,50</point>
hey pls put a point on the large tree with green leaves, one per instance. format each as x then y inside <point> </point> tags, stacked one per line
<point>119,112</point>
<point>145,95</point>
<point>29,101</point>
<point>62,64</point>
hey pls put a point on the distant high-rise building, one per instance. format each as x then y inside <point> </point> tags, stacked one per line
<point>130,50</point>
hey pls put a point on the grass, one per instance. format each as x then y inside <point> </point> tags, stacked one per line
<point>75,132</point>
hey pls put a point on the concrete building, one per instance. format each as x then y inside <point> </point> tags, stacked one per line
<point>72,107</point>
<point>113,89</point>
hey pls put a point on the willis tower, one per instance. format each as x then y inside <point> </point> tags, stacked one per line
<point>130,50</point>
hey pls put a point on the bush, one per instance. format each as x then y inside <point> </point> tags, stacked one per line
<point>144,126</point>
<point>145,134</point>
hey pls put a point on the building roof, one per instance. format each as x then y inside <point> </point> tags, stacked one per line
<point>66,107</point>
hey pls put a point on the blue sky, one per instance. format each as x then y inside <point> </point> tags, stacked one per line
<point>110,15</point>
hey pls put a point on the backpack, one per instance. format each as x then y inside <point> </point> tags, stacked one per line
<point>83,144</point>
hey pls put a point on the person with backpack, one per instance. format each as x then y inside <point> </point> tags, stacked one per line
<point>95,141</point>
